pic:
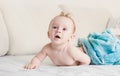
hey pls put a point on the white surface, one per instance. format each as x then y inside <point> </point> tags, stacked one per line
<point>4,39</point>
<point>13,66</point>
<point>27,22</point>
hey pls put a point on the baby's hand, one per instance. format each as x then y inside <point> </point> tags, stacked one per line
<point>35,63</point>
<point>31,66</point>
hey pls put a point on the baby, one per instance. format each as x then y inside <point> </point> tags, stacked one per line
<point>60,50</point>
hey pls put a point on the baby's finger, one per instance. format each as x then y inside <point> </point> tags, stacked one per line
<point>32,67</point>
<point>29,66</point>
<point>26,66</point>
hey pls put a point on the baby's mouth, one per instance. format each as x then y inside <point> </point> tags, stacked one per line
<point>57,36</point>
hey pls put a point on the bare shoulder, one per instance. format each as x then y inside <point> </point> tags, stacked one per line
<point>46,47</point>
<point>72,49</point>
<point>44,50</point>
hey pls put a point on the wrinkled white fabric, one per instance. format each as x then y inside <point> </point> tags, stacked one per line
<point>13,66</point>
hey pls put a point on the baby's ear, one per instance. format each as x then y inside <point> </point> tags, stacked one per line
<point>73,36</point>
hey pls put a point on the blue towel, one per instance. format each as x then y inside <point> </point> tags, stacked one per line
<point>103,48</point>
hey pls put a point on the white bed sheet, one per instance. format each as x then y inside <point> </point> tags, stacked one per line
<point>13,66</point>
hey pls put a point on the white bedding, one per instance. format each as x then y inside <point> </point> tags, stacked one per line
<point>13,66</point>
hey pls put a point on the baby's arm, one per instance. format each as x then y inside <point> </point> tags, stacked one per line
<point>80,56</point>
<point>37,60</point>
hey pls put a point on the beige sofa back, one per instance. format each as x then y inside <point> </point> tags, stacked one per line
<point>27,23</point>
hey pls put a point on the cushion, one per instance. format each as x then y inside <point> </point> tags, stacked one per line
<point>4,39</point>
<point>28,24</point>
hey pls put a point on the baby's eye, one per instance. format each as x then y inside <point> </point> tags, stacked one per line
<point>64,29</point>
<point>54,27</point>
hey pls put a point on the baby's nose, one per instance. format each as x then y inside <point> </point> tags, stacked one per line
<point>59,30</point>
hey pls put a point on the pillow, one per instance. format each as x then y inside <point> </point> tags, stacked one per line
<point>4,40</point>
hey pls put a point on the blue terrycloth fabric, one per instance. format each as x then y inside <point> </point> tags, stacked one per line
<point>103,48</point>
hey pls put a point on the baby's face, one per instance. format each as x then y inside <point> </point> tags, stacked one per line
<point>61,30</point>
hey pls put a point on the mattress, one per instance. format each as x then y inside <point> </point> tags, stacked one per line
<point>13,66</point>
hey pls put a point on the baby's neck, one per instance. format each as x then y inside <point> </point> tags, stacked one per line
<point>59,47</point>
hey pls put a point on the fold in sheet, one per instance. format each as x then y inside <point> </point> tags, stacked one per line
<point>103,48</point>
